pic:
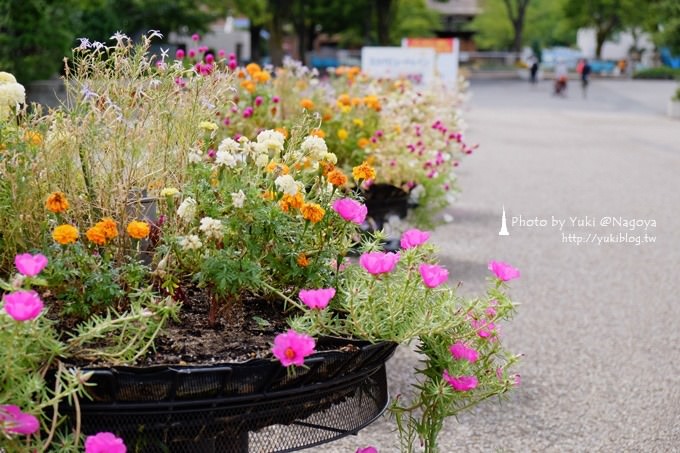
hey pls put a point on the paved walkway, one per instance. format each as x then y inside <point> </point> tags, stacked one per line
<point>599,324</point>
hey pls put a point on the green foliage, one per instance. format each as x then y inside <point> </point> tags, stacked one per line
<point>662,72</point>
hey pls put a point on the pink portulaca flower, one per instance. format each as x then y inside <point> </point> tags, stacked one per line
<point>104,443</point>
<point>292,347</point>
<point>484,329</point>
<point>30,265</point>
<point>433,275</point>
<point>379,262</point>
<point>413,238</point>
<point>367,450</point>
<point>13,421</point>
<point>460,383</point>
<point>350,210</point>
<point>317,298</point>
<point>461,351</point>
<point>503,271</point>
<point>23,305</point>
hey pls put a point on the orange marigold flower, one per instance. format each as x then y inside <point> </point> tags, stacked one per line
<point>138,230</point>
<point>318,132</point>
<point>295,201</point>
<point>362,142</point>
<point>312,212</point>
<point>277,168</point>
<point>262,76</point>
<point>363,171</point>
<point>248,85</point>
<point>307,104</point>
<point>268,195</point>
<point>109,226</point>
<point>283,131</point>
<point>57,202</point>
<point>65,234</point>
<point>344,99</point>
<point>337,178</point>
<point>302,260</point>
<point>253,68</point>
<point>327,116</point>
<point>33,138</point>
<point>97,235</point>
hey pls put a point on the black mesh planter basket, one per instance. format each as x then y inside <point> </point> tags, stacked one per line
<point>382,202</point>
<point>254,406</point>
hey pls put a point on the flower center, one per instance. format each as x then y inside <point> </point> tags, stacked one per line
<point>289,353</point>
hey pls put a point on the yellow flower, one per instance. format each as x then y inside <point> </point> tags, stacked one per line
<point>138,230</point>
<point>57,202</point>
<point>358,122</point>
<point>302,260</point>
<point>248,85</point>
<point>312,212</point>
<point>307,104</point>
<point>363,171</point>
<point>33,138</point>
<point>96,235</point>
<point>207,126</point>
<point>345,109</point>
<point>344,99</point>
<point>342,134</point>
<point>277,168</point>
<point>169,192</point>
<point>291,201</point>
<point>262,76</point>
<point>109,227</point>
<point>337,178</point>
<point>253,68</point>
<point>65,234</point>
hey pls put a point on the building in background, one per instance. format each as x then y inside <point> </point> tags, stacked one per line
<point>456,16</point>
<point>230,34</point>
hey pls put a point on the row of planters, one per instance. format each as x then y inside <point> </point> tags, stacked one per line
<point>175,254</point>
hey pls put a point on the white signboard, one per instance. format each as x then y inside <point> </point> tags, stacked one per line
<point>417,65</point>
<point>448,51</point>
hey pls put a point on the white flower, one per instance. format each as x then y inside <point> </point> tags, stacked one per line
<point>187,210</point>
<point>194,156</point>
<point>314,146</point>
<point>286,184</point>
<point>12,94</point>
<point>6,77</point>
<point>262,160</point>
<point>238,198</point>
<point>273,140</point>
<point>331,158</point>
<point>259,148</point>
<point>229,145</point>
<point>191,242</point>
<point>212,228</point>
<point>225,158</point>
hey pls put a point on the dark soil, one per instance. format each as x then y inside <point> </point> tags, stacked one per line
<point>243,331</point>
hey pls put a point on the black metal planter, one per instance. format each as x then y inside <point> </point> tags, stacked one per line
<point>254,406</point>
<point>382,202</point>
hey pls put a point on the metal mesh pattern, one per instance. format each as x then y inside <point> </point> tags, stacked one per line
<point>251,407</point>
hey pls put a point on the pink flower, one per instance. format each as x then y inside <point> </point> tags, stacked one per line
<point>13,421</point>
<point>379,262</point>
<point>484,329</point>
<point>23,305</point>
<point>179,54</point>
<point>317,298</point>
<point>258,101</point>
<point>232,64</point>
<point>195,37</point>
<point>433,275</point>
<point>350,210</point>
<point>503,271</point>
<point>192,53</point>
<point>461,351</point>
<point>367,450</point>
<point>247,112</point>
<point>30,265</point>
<point>209,58</point>
<point>221,53</point>
<point>276,99</point>
<point>460,383</point>
<point>517,380</point>
<point>104,443</point>
<point>413,238</point>
<point>292,347</point>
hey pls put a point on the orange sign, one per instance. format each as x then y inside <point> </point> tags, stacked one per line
<point>440,45</point>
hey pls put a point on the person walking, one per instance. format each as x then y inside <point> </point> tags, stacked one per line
<point>533,69</point>
<point>585,75</point>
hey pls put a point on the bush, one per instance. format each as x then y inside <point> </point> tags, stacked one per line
<point>660,73</point>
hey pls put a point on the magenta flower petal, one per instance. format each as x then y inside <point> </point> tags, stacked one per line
<point>317,298</point>
<point>413,238</point>
<point>23,305</point>
<point>13,421</point>
<point>460,383</point>
<point>503,271</point>
<point>367,450</point>
<point>433,275</point>
<point>379,262</point>
<point>30,265</point>
<point>461,351</point>
<point>350,210</point>
<point>104,443</point>
<point>292,347</point>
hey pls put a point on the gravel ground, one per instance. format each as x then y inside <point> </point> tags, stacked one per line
<point>598,324</point>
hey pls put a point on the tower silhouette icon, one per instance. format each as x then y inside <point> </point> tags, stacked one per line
<point>504,225</point>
